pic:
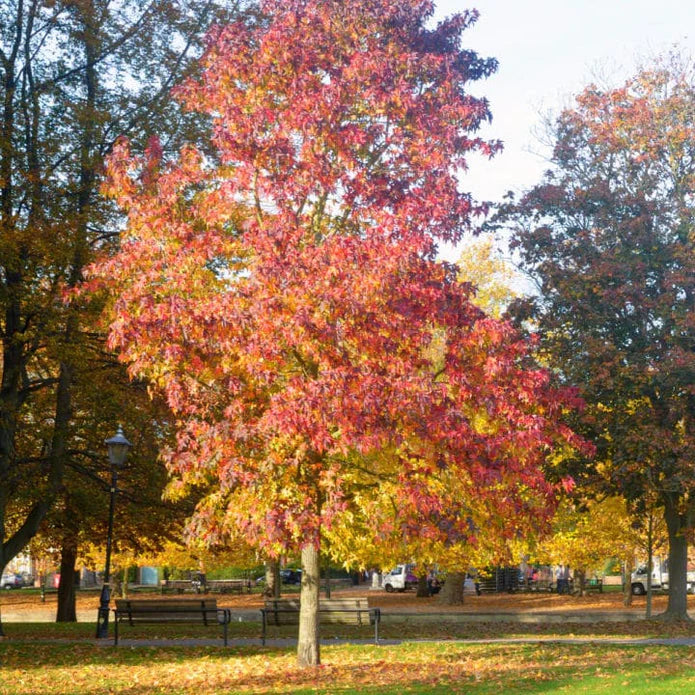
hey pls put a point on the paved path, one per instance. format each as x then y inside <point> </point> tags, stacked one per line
<point>43,614</point>
<point>545,617</point>
<point>289,643</point>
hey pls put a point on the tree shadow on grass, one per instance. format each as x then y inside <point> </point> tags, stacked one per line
<point>431,669</point>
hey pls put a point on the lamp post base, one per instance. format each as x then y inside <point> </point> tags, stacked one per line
<point>103,613</point>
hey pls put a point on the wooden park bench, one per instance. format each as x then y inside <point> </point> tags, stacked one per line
<point>177,611</point>
<point>540,585</point>
<point>45,590</point>
<point>179,586</point>
<point>594,585</point>
<point>345,611</point>
<point>227,586</point>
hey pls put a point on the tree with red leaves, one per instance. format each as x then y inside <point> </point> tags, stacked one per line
<point>285,294</point>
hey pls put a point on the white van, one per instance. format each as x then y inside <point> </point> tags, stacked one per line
<point>638,579</point>
<point>400,578</point>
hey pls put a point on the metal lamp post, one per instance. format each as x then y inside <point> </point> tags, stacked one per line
<point>117,447</point>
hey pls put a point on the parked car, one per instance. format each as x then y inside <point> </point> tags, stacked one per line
<point>291,576</point>
<point>11,581</point>
<point>287,576</point>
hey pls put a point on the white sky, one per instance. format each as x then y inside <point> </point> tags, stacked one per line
<point>549,50</point>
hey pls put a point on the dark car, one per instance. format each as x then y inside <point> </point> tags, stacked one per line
<point>12,581</point>
<point>286,577</point>
<point>291,576</point>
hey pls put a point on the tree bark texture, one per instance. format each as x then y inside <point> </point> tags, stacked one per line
<point>676,525</point>
<point>580,581</point>
<point>272,579</point>
<point>308,652</point>
<point>66,612</point>
<point>327,579</point>
<point>628,567</point>
<point>422,588</point>
<point>451,593</point>
<point>650,567</point>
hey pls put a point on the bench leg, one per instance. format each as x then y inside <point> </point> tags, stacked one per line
<point>115,632</point>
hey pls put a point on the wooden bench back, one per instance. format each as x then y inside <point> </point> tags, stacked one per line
<point>168,610</point>
<point>177,585</point>
<point>225,585</point>
<point>350,611</point>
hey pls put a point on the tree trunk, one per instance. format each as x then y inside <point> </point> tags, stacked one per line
<point>451,593</point>
<point>580,581</point>
<point>628,566</point>
<point>677,608</point>
<point>124,582</point>
<point>422,589</point>
<point>66,612</point>
<point>327,579</point>
<point>272,579</point>
<point>308,652</point>
<point>115,582</point>
<point>650,566</point>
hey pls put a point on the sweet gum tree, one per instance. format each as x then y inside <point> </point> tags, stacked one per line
<point>284,293</point>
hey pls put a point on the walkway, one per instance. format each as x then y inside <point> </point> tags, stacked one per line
<point>289,643</point>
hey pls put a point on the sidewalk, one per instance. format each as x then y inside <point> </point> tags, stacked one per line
<point>291,643</point>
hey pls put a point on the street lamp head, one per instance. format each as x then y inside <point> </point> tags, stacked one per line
<point>118,447</point>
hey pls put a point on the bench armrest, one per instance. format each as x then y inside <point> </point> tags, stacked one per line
<point>224,616</point>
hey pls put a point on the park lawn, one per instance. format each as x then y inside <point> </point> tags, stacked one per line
<point>426,668</point>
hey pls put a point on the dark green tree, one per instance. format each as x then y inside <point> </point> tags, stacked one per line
<point>608,237</point>
<point>74,75</point>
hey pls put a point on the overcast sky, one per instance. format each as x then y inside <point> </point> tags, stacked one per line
<point>548,50</point>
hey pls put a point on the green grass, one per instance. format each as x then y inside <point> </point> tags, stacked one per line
<point>431,668</point>
<point>612,588</point>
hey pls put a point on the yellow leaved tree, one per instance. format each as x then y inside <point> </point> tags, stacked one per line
<point>588,534</point>
<point>494,278</point>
